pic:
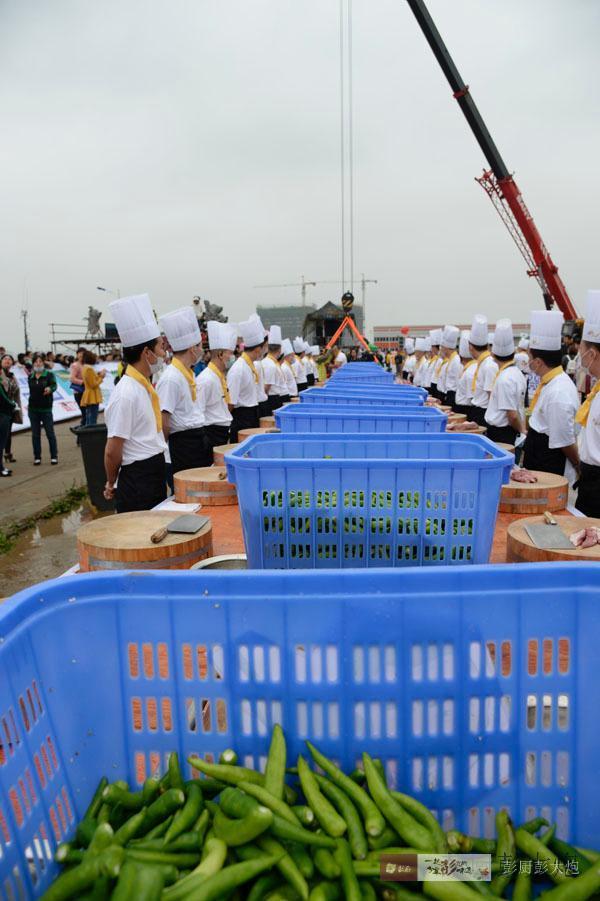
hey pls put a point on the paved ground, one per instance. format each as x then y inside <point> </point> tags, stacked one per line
<point>31,488</point>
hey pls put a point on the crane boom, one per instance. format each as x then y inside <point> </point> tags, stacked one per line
<point>498,182</point>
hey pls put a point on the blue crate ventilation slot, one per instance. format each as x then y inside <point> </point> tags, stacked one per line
<point>364,419</point>
<point>339,501</point>
<point>408,398</point>
<point>478,692</point>
<point>371,378</point>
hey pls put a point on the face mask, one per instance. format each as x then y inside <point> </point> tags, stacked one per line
<point>157,366</point>
<point>229,362</point>
<point>584,366</point>
<point>38,368</point>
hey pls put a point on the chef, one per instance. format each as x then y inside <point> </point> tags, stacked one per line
<point>451,365</point>
<point>464,388</point>
<point>410,360</point>
<point>310,366</point>
<point>588,415</point>
<point>505,413</point>
<point>243,378</point>
<point>436,362</point>
<point>315,352</point>
<point>484,371</point>
<point>421,361</point>
<point>264,407</point>
<point>134,457</point>
<point>288,355</point>
<point>298,366</point>
<point>271,368</point>
<point>213,392</point>
<point>182,418</point>
<point>522,357</point>
<point>550,444</point>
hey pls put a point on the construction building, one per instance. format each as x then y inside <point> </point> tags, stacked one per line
<point>316,326</point>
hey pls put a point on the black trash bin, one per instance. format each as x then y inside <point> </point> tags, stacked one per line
<point>92,440</point>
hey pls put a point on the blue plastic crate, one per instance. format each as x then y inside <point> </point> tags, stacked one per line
<point>354,387</point>
<point>338,501</point>
<point>478,692</point>
<point>373,419</point>
<point>330,396</point>
<point>385,378</point>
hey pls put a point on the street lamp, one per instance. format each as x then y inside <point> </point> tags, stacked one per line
<point>108,290</point>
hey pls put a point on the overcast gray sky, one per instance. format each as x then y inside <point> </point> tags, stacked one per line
<point>186,147</point>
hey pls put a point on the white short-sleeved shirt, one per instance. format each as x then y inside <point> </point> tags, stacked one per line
<point>554,412</point>
<point>341,359</point>
<point>589,448</point>
<point>419,371</point>
<point>262,394</point>
<point>290,381</point>
<point>485,380</point>
<point>176,399</point>
<point>409,364</point>
<point>508,393</point>
<point>211,400</point>
<point>522,361</point>
<point>464,389</point>
<point>299,370</point>
<point>428,372</point>
<point>452,373</point>
<point>129,415</point>
<point>243,387</point>
<point>274,377</point>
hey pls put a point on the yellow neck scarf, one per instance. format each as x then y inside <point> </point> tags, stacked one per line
<point>558,370</point>
<point>445,362</point>
<point>249,362</point>
<point>584,411</point>
<point>187,374</point>
<point>502,368</point>
<point>223,380</point>
<point>479,361</point>
<point>277,363</point>
<point>145,383</point>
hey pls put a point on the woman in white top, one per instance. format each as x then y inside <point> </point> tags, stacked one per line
<point>484,371</point>
<point>421,350</point>
<point>588,415</point>
<point>464,387</point>
<point>213,392</point>
<point>451,365</point>
<point>271,367</point>
<point>551,443</point>
<point>134,458</point>
<point>298,365</point>
<point>505,413</point>
<point>182,417</point>
<point>286,367</point>
<point>243,378</point>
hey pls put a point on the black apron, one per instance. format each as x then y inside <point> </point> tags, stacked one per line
<point>264,408</point>
<point>588,497</point>
<point>284,398</point>
<point>433,391</point>
<point>141,485</point>
<point>504,433</point>
<point>450,398</point>
<point>214,436</point>
<point>461,408</point>
<point>302,386</point>
<point>275,402</point>
<point>243,418</point>
<point>477,414</point>
<point>537,455</point>
<point>187,450</point>
<point>310,379</point>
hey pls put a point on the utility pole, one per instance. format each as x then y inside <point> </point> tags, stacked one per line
<point>25,316</point>
<point>305,284</point>
<point>363,285</point>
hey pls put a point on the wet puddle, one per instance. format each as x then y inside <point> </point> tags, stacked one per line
<point>43,552</point>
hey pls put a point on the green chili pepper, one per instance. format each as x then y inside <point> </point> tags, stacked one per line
<point>374,821</point>
<point>387,839</point>
<point>185,818</point>
<point>578,889</point>
<point>325,813</point>
<point>72,883</point>
<point>104,813</point>
<point>358,776</point>
<point>159,810</point>
<point>228,756</point>
<point>102,838</point>
<point>305,815</point>
<point>96,802</point>
<point>213,857</point>
<point>326,891</point>
<point>229,879</point>
<point>568,852</point>
<point>411,831</point>
<point>302,859</point>
<point>263,886</point>
<point>367,891</point>
<point>450,891</point>
<point>589,853</point>
<point>130,829</point>
<point>283,892</point>
<point>174,771</point>
<point>267,799</point>
<point>356,833</point>
<point>534,825</point>
<point>535,849</point>
<point>115,794</point>
<point>150,790</point>
<point>236,804</point>
<point>276,759</point>
<point>158,831</point>
<point>179,860</point>
<point>326,863</point>
<point>141,883</point>
<point>284,864</point>
<point>350,884</point>
<point>67,854</point>
<point>522,890</point>
<point>85,832</point>
<point>188,843</point>
<point>505,850</point>
<point>240,832</point>
<point>425,817</point>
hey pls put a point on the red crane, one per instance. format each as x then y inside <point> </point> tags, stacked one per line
<point>497,181</point>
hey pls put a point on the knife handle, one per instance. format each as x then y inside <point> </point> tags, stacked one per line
<point>158,536</point>
<point>549,518</point>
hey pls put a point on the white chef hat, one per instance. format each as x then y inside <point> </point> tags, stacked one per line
<point>523,343</point>
<point>298,344</point>
<point>450,336</point>
<point>591,326</point>
<point>181,328</point>
<point>134,319</point>
<point>252,331</point>
<point>275,335</point>
<point>315,350</point>
<point>421,344</point>
<point>286,347</point>
<point>463,347</point>
<point>256,318</point>
<point>503,344</point>
<point>409,346</point>
<point>546,329</point>
<point>306,347</point>
<point>435,336</point>
<point>221,335</point>
<point>427,344</point>
<point>479,330</point>
<point>490,337</point>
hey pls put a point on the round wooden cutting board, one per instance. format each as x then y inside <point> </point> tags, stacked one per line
<point>550,492</point>
<point>520,548</point>
<point>206,485</point>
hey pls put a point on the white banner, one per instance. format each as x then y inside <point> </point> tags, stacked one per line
<point>64,405</point>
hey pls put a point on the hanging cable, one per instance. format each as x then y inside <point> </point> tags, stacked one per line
<point>350,148</point>
<point>342,147</point>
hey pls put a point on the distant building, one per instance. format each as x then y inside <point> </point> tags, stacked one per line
<point>316,326</point>
<point>387,337</point>
<point>291,319</point>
